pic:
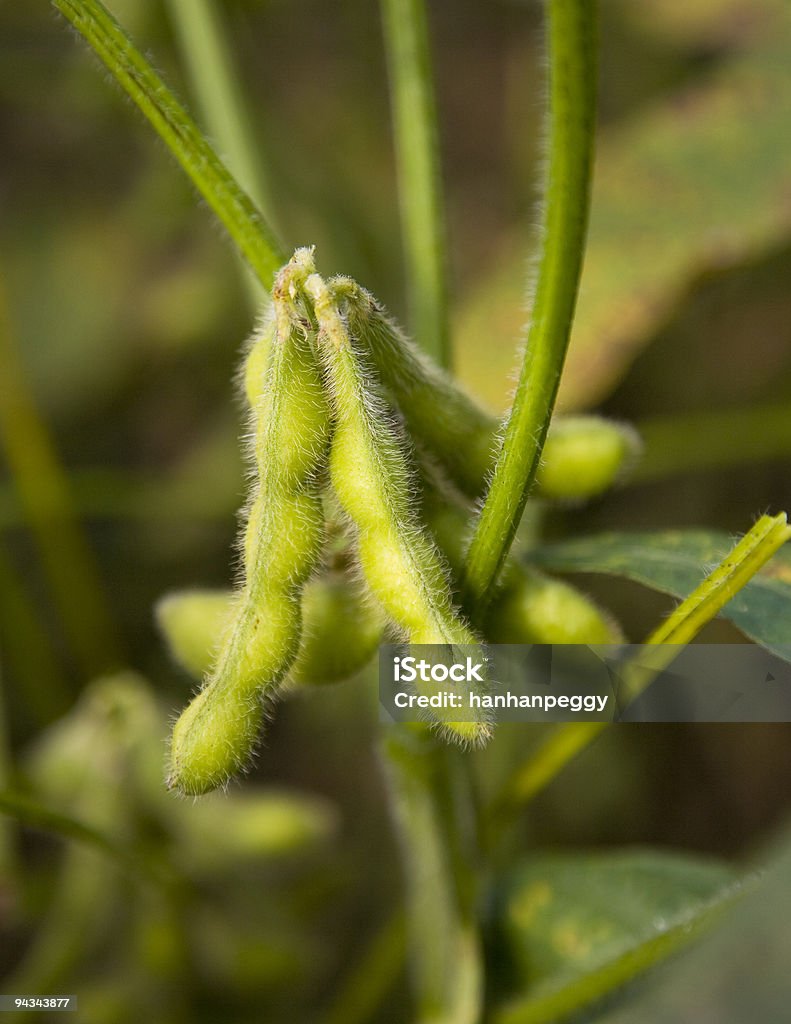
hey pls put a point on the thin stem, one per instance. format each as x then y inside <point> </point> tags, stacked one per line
<point>572,108</point>
<point>244,223</point>
<point>419,176</point>
<point>45,496</point>
<point>434,819</point>
<point>732,574</point>
<point>204,44</point>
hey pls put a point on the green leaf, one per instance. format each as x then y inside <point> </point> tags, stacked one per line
<point>674,562</point>
<point>737,973</point>
<point>579,925</point>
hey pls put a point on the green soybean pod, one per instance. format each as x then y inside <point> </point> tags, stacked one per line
<point>583,455</point>
<point>370,474</point>
<point>530,607</point>
<point>539,609</point>
<point>193,623</point>
<point>342,632</point>
<point>437,412</point>
<point>215,735</point>
<point>341,629</point>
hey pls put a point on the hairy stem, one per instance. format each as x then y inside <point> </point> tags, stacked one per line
<point>572,107</point>
<point>235,209</point>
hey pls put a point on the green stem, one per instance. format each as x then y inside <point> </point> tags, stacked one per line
<point>572,109</point>
<point>736,570</point>
<point>45,496</point>
<point>435,822</point>
<point>419,177</point>
<point>244,223</point>
<point>204,44</point>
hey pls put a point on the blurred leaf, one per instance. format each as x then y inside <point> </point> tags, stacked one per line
<point>705,22</point>
<point>674,562</point>
<point>692,184</point>
<point>581,925</point>
<point>737,973</point>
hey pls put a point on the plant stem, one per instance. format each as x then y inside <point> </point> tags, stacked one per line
<point>244,223</point>
<point>572,109</point>
<point>204,45</point>
<point>44,494</point>
<point>419,175</point>
<point>737,568</point>
<point>435,822</point>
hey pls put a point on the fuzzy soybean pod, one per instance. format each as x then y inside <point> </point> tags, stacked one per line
<point>341,629</point>
<point>437,412</point>
<point>583,455</point>
<point>530,607</point>
<point>370,474</point>
<point>215,735</point>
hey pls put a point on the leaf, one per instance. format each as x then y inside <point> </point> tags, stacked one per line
<point>674,562</point>
<point>579,925</point>
<point>695,182</point>
<point>737,973</point>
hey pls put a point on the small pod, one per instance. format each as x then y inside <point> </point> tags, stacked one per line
<point>584,456</point>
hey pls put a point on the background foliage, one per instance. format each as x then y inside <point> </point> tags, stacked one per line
<point>122,321</point>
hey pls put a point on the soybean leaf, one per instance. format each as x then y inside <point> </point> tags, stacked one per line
<point>737,973</point>
<point>674,562</point>
<point>577,926</point>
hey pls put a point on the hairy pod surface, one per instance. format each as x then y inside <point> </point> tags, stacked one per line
<point>215,735</point>
<point>370,474</point>
<point>583,455</point>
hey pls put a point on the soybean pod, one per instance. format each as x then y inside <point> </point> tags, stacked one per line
<point>583,456</point>
<point>370,474</point>
<point>530,607</point>
<point>341,629</point>
<point>215,735</point>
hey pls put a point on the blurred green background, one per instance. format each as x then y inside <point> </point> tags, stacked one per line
<point>122,317</point>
